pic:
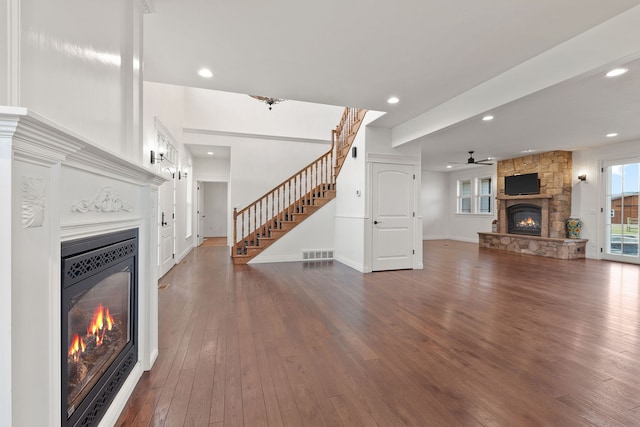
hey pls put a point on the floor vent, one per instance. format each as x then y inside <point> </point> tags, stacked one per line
<point>318,255</point>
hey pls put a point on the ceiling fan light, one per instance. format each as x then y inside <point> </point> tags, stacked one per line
<point>270,101</point>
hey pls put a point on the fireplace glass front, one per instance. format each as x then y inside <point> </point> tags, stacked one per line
<point>98,337</point>
<point>525,219</point>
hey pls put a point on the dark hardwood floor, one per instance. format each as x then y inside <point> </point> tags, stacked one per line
<point>479,337</point>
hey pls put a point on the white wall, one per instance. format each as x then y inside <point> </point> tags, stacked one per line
<point>588,197</point>
<point>216,170</point>
<point>314,233</point>
<point>4,59</point>
<point>465,227</point>
<point>76,67</point>
<point>216,212</point>
<point>257,165</point>
<point>434,205</point>
<point>239,113</point>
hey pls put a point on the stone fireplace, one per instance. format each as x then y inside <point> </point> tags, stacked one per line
<point>60,188</point>
<point>535,223</point>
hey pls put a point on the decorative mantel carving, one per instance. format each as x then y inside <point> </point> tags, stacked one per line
<point>105,201</point>
<point>33,202</point>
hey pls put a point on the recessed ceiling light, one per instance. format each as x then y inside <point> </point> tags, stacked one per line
<point>528,151</point>
<point>449,166</point>
<point>206,73</point>
<point>617,72</point>
<point>210,153</point>
<point>611,135</point>
<point>487,118</point>
<point>393,100</point>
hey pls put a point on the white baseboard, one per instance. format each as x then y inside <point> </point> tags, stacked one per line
<point>350,263</point>
<point>262,259</point>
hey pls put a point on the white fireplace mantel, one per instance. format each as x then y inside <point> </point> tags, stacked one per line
<point>57,186</point>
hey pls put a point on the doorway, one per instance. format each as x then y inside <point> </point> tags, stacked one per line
<point>166,227</point>
<point>622,179</point>
<point>213,212</point>
<point>393,214</point>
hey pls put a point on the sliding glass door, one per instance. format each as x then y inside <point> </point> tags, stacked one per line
<point>621,210</point>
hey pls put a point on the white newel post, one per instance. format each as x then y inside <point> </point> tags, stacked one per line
<point>51,181</point>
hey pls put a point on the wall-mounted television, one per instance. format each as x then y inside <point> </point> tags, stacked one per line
<point>526,183</point>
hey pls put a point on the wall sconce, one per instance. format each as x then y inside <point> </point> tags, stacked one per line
<point>182,175</point>
<point>155,159</point>
<point>582,177</point>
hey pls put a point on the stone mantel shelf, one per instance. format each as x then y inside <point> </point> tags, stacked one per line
<point>524,197</point>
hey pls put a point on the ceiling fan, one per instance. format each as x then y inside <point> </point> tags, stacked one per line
<point>472,161</point>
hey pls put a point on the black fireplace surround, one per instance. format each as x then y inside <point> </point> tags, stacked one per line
<point>525,219</point>
<point>99,323</point>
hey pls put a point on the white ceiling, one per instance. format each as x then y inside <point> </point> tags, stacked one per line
<point>426,52</point>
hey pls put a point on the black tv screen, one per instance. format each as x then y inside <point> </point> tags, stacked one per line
<point>527,183</point>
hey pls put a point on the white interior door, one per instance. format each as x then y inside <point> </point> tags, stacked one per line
<point>166,216</point>
<point>200,213</point>
<point>621,210</point>
<point>393,210</point>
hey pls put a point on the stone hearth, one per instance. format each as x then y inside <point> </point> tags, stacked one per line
<point>533,245</point>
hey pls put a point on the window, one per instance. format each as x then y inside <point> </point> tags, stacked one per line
<point>484,195</point>
<point>474,196</point>
<point>464,196</point>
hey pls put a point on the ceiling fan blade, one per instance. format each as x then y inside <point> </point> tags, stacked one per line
<point>483,162</point>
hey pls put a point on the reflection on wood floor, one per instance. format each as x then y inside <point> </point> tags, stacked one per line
<point>479,337</point>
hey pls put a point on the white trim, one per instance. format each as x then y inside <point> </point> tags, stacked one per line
<point>146,6</point>
<point>13,51</point>
<point>47,143</point>
<point>254,136</point>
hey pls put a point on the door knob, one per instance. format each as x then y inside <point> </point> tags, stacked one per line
<point>377,222</point>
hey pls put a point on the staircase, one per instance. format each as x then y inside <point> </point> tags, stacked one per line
<point>259,225</point>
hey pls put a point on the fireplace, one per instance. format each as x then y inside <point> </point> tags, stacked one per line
<point>99,323</point>
<point>524,218</point>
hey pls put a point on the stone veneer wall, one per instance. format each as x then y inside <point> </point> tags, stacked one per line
<point>554,172</point>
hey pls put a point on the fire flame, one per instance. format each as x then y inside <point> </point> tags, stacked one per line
<point>529,222</point>
<point>102,321</point>
<point>77,346</point>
